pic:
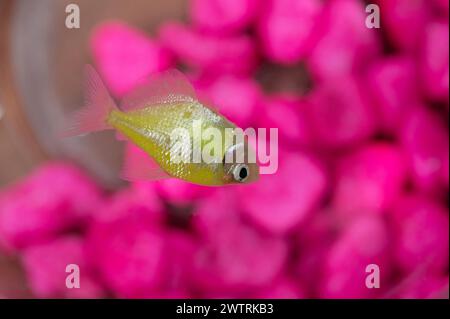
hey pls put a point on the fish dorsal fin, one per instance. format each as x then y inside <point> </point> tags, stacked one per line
<point>161,88</point>
<point>139,166</point>
<point>206,101</point>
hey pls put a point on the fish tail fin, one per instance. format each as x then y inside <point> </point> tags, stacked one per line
<point>93,116</point>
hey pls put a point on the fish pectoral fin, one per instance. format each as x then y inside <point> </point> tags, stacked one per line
<point>162,88</point>
<point>120,136</point>
<point>139,166</point>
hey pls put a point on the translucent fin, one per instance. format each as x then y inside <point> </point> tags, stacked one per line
<point>167,87</point>
<point>98,104</point>
<point>139,166</point>
<point>120,136</point>
<point>206,101</point>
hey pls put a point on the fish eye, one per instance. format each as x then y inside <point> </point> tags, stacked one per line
<point>241,172</point>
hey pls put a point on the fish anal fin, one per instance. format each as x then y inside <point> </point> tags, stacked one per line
<point>120,136</point>
<point>167,87</point>
<point>139,166</point>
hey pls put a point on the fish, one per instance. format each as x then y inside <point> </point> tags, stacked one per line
<point>147,118</point>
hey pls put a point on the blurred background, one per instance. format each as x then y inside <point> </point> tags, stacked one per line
<point>363,127</point>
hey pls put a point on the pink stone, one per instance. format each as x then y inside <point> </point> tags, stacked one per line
<point>424,137</point>
<point>442,6</point>
<point>140,201</point>
<point>369,180</point>
<point>423,286</point>
<point>129,252</point>
<point>235,98</point>
<point>182,249</point>
<point>234,257</point>
<point>445,170</point>
<point>340,114</point>
<point>393,85</point>
<point>279,202</point>
<point>287,29</point>
<point>312,244</point>
<point>345,44</point>
<point>55,198</point>
<point>223,16</point>
<point>421,235</point>
<point>45,266</point>
<point>435,61</point>
<point>282,288</point>
<point>216,54</point>
<point>176,191</point>
<point>405,21</point>
<point>364,242</point>
<point>288,114</point>
<point>178,283</point>
<point>125,55</point>
<point>207,220</point>
<point>90,290</point>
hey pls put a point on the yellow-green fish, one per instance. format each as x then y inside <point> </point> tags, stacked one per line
<point>161,117</point>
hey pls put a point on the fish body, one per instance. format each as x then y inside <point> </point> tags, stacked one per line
<point>150,129</point>
<point>149,117</point>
